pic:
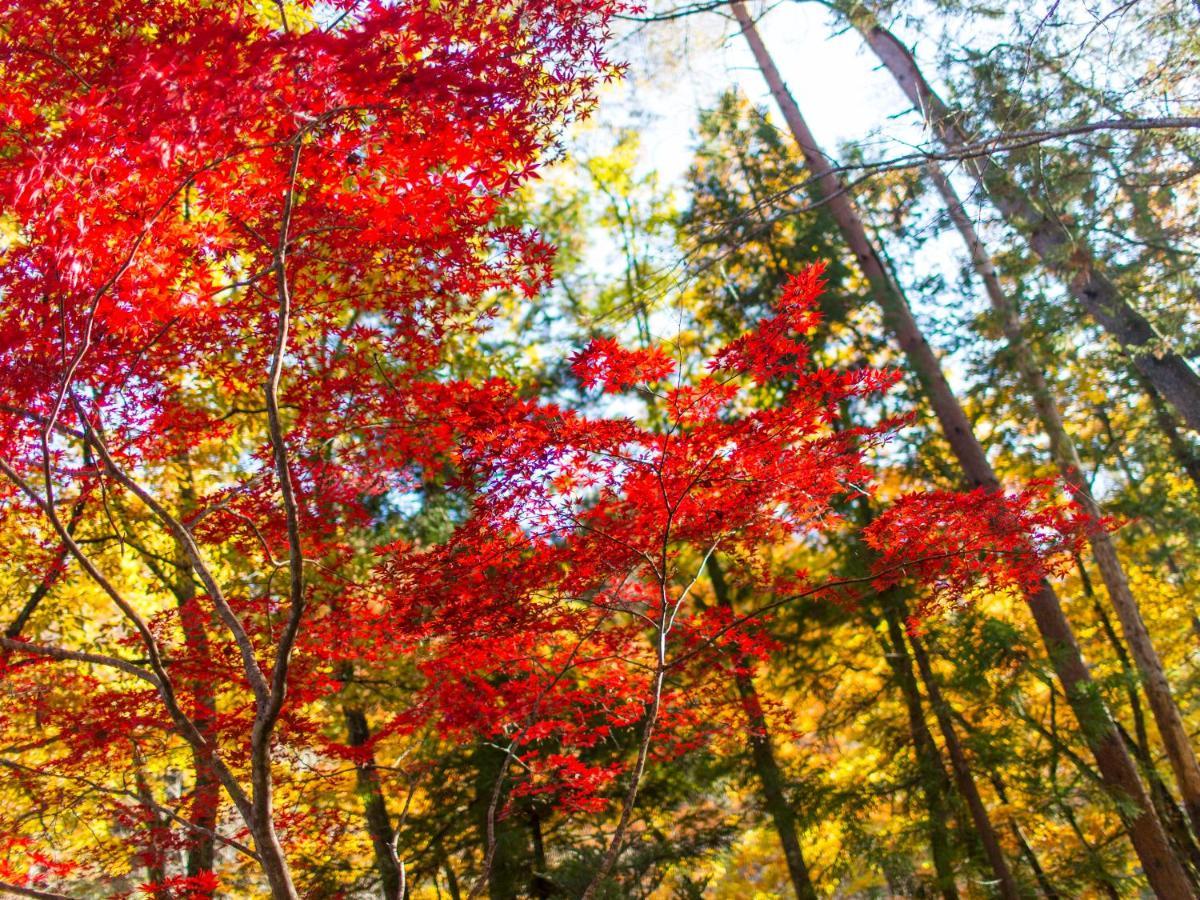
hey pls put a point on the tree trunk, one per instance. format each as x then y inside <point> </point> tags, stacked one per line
<point>1005,882</point>
<point>448,868</point>
<point>1163,870</point>
<point>266,840</point>
<point>1063,252</point>
<point>1169,813</point>
<point>1153,677</point>
<point>929,761</point>
<point>1035,866</point>
<point>206,793</point>
<point>508,874</point>
<point>540,885</point>
<point>158,831</point>
<point>375,811</point>
<point>1187,458</point>
<point>766,767</point>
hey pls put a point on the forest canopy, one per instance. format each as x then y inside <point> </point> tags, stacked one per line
<point>582,448</point>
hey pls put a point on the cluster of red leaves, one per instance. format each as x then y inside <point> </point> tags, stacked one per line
<point>606,362</point>
<point>991,542</point>
<point>161,162</point>
<point>183,887</point>
<point>23,864</point>
<point>587,535</point>
<point>147,180</point>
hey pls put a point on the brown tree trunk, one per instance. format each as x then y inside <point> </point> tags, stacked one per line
<point>206,794</point>
<point>375,811</point>
<point>1150,668</point>
<point>1063,252</point>
<point>934,779</point>
<point>1035,866</point>
<point>1185,456</point>
<point>1174,820</point>
<point>766,767</point>
<point>1163,870</point>
<point>1006,884</point>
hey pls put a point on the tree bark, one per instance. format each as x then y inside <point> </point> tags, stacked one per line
<point>508,874</point>
<point>158,831</point>
<point>540,885</point>
<point>766,767</point>
<point>1035,866</point>
<point>1163,870</point>
<point>448,868</point>
<point>1005,882</point>
<point>375,811</point>
<point>929,761</point>
<point>1173,818</point>
<point>206,794</point>
<point>1149,666</point>
<point>1063,252</point>
<point>1185,456</point>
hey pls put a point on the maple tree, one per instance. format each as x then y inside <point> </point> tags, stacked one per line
<point>241,251</point>
<point>205,201</point>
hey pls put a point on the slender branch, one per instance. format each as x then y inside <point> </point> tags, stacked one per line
<point>278,444</point>
<point>253,673</point>
<point>32,892</point>
<point>63,654</point>
<point>509,755</point>
<point>116,792</point>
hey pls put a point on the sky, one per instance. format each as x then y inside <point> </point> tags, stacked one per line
<point>676,69</point>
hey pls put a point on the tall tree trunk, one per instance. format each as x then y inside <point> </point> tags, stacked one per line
<point>1063,252</point>
<point>1149,666</point>
<point>929,761</point>
<point>1134,484</point>
<point>1185,456</point>
<point>509,873</point>
<point>206,794</point>
<point>448,867</point>
<point>540,885</point>
<point>1005,882</point>
<point>766,767</point>
<point>1031,858</point>
<point>272,859</point>
<point>375,811</point>
<point>1173,819</point>
<point>159,831</point>
<point>1163,870</point>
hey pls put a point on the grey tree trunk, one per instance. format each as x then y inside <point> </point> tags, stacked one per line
<point>1163,870</point>
<point>1006,884</point>
<point>375,811</point>
<point>1150,669</point>
<point>262,824</point>
<point>766,767</point>
<point>929,761</point>
<point>1063,252</point>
